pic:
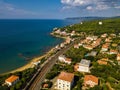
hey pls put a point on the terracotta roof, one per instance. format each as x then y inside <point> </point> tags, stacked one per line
<point>118,55</point>
<point>102,62</point>
<point>68,59</point>
<point>91,77</point>
<point>114,51</point>
<point>12,78</point>
<point>66,76</point>
<point>45,85</point>
<point>105,46</point>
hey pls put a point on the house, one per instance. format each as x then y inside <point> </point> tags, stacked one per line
<point>113,35</point>
<point>103,61</point>
<point>108,40</point>
<point>104,47</point>
<point>100,23</point>
<point>68,60</point>
<point>104,35</point>
<point>92,53</point>
<point>76,46</point>
<point>72,33</point>
<point>68,40</point>
<point>57,31</point>
<point>84,65</point>
<point>65,81</point>
<point>118,57</point>
<point>45,85</point>
<point>62,58</point>
<point>62,45</point>
<point>36,63</point>
<point>90,38</point>
<point>90,80</point>
<point>89,47</point>
<point>113,51</point>
<point>12,80</point>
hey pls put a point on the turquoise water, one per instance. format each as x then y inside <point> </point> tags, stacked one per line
<point>21,40</point>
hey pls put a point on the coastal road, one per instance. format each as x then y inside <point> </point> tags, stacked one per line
<point>35,84</point>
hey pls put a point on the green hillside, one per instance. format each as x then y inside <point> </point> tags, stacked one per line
<point>111,25</point>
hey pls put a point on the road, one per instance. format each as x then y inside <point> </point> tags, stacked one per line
<point>38,78</point>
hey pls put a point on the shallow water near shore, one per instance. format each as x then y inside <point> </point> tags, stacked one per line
<point>21,40</point>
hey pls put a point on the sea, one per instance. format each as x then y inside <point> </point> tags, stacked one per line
<point>21,40</point>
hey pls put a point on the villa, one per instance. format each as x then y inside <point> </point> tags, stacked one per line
<point>65,81</point>
<point>62,58</point>
<point>89,47</point>
<point>90,80</point>
<point>103,61</point>
<point>92,53</point>
<point>84,65</point>
<point>12,80</point>
<point>104,47</point>
<point>113,51</point>
<point>76,46</point>
<point>104,35</point>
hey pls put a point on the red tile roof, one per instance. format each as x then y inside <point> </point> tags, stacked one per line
<point>12,78</point>
<point>91,77</point>
<point>66,76</point>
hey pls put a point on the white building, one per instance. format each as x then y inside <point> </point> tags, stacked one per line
<point>100,23</point>
<point>12,80</point>
<point>62,58</point>
<point>84,65</point>
<point>65,81</point>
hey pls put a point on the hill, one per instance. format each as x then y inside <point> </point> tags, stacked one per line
<point>109,25</point>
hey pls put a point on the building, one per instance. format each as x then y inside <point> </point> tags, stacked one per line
<point>104,47</point>
<point>68,60</point>
<point>12,80</point>
<point>89,47</point>
<point>100,23</point>
<point>90,80</point>
<point>65,81</point>
<point>84,65</point>
<point>113,51</point>
<point>118,57</point>
<point>104,35</point>
<point>92,53</point>
<point>62,58</point>
<point>103,61</point>
<point>76,46</point>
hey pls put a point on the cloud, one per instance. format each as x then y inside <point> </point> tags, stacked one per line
<point>92,4</point>
<point>7,9</point>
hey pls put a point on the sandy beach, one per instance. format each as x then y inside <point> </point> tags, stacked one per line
<point>36,59</point>
<point>30,64</point>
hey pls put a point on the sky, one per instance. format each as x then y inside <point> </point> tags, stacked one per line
<point>57,9</point>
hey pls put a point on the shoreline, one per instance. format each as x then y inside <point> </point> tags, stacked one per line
<point>35,59</point>
<point>30,64</point>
